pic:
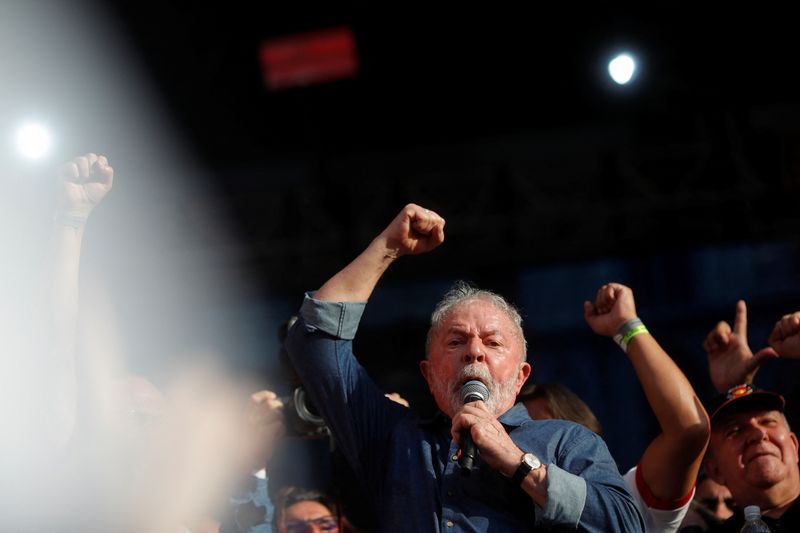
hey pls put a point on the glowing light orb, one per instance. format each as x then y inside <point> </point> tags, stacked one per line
<point>33,141</point>
<point>622,68</point>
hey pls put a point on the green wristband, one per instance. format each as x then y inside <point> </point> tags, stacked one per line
<point>632,333</point>
<point>628,331</point>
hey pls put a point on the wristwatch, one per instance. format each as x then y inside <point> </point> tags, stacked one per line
<point>527,463</point>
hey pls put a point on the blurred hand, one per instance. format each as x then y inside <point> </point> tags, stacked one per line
<point>84,182</point>
<point>263,428</point>
<point>730,360</point>
<point>395,397</point>
<point>613,306</point>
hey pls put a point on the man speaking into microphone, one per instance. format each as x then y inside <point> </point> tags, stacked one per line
<point>525,475</point>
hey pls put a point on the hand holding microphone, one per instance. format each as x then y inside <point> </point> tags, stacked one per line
<point>472,391</point>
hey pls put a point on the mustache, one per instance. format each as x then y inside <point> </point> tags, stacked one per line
<point>473,371</point>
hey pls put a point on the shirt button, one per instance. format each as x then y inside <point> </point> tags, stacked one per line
<point>455,458</point>
<point>450,493</point>
<point>449,523</point>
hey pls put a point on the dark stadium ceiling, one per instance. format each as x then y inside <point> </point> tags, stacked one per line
<point>430,76</point>
<point>500,117</point>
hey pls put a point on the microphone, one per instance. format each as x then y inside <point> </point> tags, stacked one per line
<point>472,391</point>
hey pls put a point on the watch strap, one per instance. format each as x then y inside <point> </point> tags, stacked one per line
<point>522,470</point>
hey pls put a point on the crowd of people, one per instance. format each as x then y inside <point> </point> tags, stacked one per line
<point>504,453</point>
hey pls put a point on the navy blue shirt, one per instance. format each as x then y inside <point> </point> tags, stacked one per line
<point>409,467</point>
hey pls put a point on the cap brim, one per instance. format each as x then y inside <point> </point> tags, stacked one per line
<point>766,400</point>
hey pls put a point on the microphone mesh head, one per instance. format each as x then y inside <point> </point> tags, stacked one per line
<point>473,391</point>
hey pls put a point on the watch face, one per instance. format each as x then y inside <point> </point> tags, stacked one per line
<point>532,461</point>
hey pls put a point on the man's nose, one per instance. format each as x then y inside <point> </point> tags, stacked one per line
<point>755,433</point>
<point>475,352</point>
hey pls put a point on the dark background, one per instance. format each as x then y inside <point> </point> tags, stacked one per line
<point>553,181</point>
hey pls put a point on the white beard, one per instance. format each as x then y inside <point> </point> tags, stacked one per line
<point>501,395</point>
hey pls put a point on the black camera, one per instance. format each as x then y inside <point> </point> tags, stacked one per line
<point>301,417</point>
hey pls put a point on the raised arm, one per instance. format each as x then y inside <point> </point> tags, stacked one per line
<point>82,184</point>
<point>671,461</point>
<point>320,349</point>
<point>414,230</point>
<point>730,360</point>
<point>250,507</point>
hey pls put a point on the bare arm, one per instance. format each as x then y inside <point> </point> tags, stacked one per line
<point>671,461</point>
<point>82,184</point>
<point>262,430</point>
<point>414,230</point>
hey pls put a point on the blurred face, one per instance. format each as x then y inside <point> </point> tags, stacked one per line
<point>136,402</point>
<point>308,517</point>
<point>476,340</point>
<point>133,412</point>
<point>752,452</point>
<point>716,498</point>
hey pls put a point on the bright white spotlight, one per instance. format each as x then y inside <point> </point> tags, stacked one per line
<point>622,68</point>
<point>33,140</point>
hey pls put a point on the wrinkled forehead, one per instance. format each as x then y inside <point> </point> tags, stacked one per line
<point>480,313</point>
<point>478,309</point>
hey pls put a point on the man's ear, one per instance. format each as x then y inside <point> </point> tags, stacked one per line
<point>794,441</point>
<point>425,368</point>
<point>522,375</point>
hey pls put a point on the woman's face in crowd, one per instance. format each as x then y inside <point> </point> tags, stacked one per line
<point>309,517</point>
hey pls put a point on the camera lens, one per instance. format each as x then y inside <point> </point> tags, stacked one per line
<point>305,409</point>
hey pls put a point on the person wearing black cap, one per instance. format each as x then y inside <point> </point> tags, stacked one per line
<point>752,449</point>
<point>755,454</point>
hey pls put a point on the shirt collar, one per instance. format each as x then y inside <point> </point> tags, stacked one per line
<point>515,417</point>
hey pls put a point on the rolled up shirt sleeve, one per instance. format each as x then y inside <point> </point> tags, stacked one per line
<point>566,498</point>
<point>584,488</point>
<point>338,319</point>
